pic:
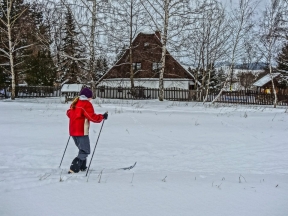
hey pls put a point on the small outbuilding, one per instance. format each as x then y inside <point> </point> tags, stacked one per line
<point>70,91</point>
<point>264,84</point>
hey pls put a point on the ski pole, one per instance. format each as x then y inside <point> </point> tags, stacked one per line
<point>95,147</point>
<point>64,151</point>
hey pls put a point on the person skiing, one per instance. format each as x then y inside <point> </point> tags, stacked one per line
<point>80,114</point>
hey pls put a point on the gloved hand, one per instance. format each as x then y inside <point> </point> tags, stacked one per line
<point>105,115</point>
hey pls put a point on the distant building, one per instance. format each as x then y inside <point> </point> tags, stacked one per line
<point>147,65</point>
<point>264,84</point>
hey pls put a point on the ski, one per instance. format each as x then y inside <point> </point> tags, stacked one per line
<point>65,176</point>
<point>128,168</point>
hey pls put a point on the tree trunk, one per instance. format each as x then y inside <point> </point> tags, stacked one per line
<point>130,50</point>
<point>207,86</point>
<point>273,86</point>
<point>164,51</point>
<point>11,54</point>
<point>92,49</point>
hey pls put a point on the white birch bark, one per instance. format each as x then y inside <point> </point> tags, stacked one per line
<point>92,49</point>
<point>243,27</point>
<point>164,50</point>
<point>271,27</point>
<point>10,50</point>
<point>11,45</point>
<point>169,18</point>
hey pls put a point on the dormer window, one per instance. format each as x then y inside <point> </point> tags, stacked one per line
<point>137,66</point>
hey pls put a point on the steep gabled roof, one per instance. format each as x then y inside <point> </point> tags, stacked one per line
<point>157,39</point>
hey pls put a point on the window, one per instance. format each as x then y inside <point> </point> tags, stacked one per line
<point>156,66</point>
<point>146,44</point>
<point>136,66</point>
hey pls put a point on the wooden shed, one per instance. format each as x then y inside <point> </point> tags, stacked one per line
<point>70,91</point>
<point>264,84</point>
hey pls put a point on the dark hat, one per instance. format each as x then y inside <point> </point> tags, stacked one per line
<point>87,92</point>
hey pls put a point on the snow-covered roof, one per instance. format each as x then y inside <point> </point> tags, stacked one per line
<point>264,80</point>
<point>71,87</point>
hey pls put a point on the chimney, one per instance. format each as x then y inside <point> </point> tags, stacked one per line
<point>158,34</point>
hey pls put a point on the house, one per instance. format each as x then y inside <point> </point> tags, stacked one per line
<point>146,64</point>
<point>264,84</point>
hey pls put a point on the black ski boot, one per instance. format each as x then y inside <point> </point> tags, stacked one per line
<point>75,166</point>
<point>83,166</point>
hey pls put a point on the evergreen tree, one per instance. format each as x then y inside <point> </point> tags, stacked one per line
<point>4,77</point>
<point>41,69</point>
<point>29,37</point>
<point>101,67</point>
<point>217,79</point>
<point>37,63</point>
<point>71,68</point>
<point>283,59</point>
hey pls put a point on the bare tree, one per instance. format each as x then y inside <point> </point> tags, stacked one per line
<point>207,43</point>
<point>270,36</point>
<point>88,16</point>
<point>131,20</point>
<point>246,79</point>
<point>169,18</point>
<point>13,28</point>
<point>240,25</point>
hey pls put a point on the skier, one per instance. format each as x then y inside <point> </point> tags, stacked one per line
<point>81,112</point>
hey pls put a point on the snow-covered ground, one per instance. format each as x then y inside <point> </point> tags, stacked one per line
<point>191,160</point>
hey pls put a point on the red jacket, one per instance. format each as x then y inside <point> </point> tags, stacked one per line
<point>80,118</point>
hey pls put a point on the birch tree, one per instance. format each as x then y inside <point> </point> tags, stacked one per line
<point>9,23</point>
<point>169,17</point>
<point>131,20</point>
<point>89,17</point>
<point>270,36</point>
<point>23,34</point>
<point>207,43</point>
<point>240,24</point>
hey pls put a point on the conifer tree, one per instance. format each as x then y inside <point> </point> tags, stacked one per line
<point>71,64</point>
<point>20,37</point>
<point>101,67</point>
<point>40,69</point>
<point>37,62</point>
<point>283,59</point>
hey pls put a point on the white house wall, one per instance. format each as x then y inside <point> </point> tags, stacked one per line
<point>147,83</point>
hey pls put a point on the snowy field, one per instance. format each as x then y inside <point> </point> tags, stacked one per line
<point>191,160</point>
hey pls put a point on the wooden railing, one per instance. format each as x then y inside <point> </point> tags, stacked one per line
<point>140,93</point>
<point>31,91</point>
<point>175,94</point>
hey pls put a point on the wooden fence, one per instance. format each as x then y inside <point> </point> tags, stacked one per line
<point>31,91</point>
<point>249,97</point>
<point>142,93</point>
<point>173,94</point>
